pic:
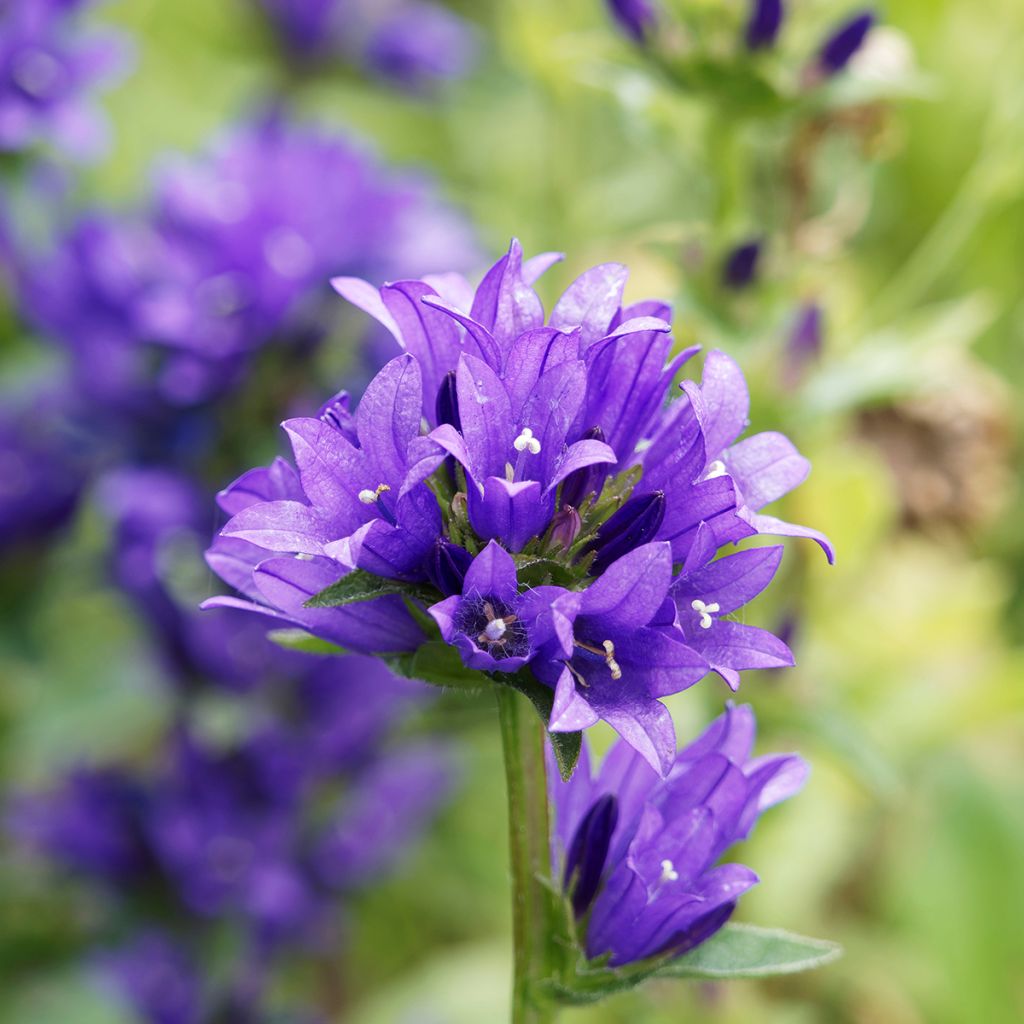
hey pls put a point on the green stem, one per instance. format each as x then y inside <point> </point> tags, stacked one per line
<point>522,738</point>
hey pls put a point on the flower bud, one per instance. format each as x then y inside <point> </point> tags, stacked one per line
<point>447,404</point>
<point>839,48</point>
<point>336,412</point>
<point>635,17</point>
<point>584,483</point>
<point>740,267</point>
<point>565,527</point>
<point>589,851</point>
<point>636,523</point>
<point>447,567</point>
<point>764,24</point>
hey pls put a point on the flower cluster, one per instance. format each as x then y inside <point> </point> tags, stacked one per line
<point>265,834</point>
<point>638,854</point>
<point>529,472</point>
<point>411,43</point>
<point>49,65</point>
<point>164,307</point>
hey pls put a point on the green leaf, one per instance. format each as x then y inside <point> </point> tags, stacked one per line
<point>566,745</point>
<point>306,643</point>
<point>439,664</point>
<point>747,951</point>
<point>360,585</point>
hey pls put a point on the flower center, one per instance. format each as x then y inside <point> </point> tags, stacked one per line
<point>705,611</point>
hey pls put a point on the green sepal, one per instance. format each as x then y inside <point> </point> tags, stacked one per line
<point>737,951</point>
<point>360,585</point>
<point>305,643</point>
<point>566,745</point>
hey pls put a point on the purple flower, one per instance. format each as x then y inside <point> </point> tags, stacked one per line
<point>804,342</point>
<point>418,45</point>
<point>156,977</point>
<point>639,854</point>
<point>49,66</point>
<point>763,24</point>
<point>524,410</point>
<point>411,43</point>
<point>838,49</point>
<point>494,626</point>
<point>635,17</point>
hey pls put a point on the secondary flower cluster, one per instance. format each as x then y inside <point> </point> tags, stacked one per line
<point>165,305</point>
<point>262,837</point>
<point>411,43</point>
<point>49,65</point>
<point>526,479</point>
<point>638,854</point>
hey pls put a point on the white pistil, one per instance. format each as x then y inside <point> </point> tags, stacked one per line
<point>705,611</point>
<point>495,630</point>
<point>716,469</point>
<point>526,442</point>
<point>668,872</point>
<point>368,497</point>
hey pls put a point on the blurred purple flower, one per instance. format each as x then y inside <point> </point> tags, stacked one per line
<point>156,977</point>
<point>804,343</point>
<point>741,264</point>
<point>639,854</point>
<point>49,66</point>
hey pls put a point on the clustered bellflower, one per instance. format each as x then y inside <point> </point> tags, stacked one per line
<point>639,854</point>
<point>49,68</point>
<point>548,479</point>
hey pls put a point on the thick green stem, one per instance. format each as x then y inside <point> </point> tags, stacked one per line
<point>522,737</point>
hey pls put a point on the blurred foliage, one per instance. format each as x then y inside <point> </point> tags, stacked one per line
<point>908,844</point>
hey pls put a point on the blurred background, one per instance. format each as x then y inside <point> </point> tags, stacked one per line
<point>192,825</point>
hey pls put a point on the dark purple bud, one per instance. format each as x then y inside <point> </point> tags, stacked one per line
<point>839,48</point>
<point>636,523</point>
<point>635,17</point>
<point>764,23</point>
<point>584,862</point>
<point>803,346</point>
<point>447,567</point>
<point>740,267</point>
<point>579,486</point>
<point>700,931</point>
<point>336,412</point>
<point>565,527</point>
<point>447,405</point>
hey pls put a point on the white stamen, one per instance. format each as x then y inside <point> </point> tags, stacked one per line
<point>527,442</point>
<point>368,497</point>
<point>716,469</point>
<point>668,872</point>
<point>609,657</point>
<point>705,611</point>
<point>495,630</point>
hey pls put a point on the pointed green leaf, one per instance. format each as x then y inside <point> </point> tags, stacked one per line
<point>306,643</point>
<point>747,951</point>
<point>439,664</point>
<point>359,585</point>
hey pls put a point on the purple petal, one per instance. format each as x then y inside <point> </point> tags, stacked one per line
<point>280,526</point>
<point>631,590</point>
<point>513,513</point>
<point>778,528</point>
<point>579,456</point>
<point>765,467</point>
<point>367,297</point>
<point>504,303</point>
<point>388,417</point>
<point>492,574</point>
<point>726,401</point>
<point>486,418</point>
<point>732,581</point>
<point>591,301</point>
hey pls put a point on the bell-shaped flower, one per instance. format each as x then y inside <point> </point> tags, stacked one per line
<point>639,854</point>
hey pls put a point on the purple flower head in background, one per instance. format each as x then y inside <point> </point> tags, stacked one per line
<point>639,855</point>
<point>764,23</point>
<point>838,49</point>
<point>411,43</point>
<point>49,66</point>
<point>635,17</point>
<point>161,309</point>
<point>455,470</point>
<point>803,343</point>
